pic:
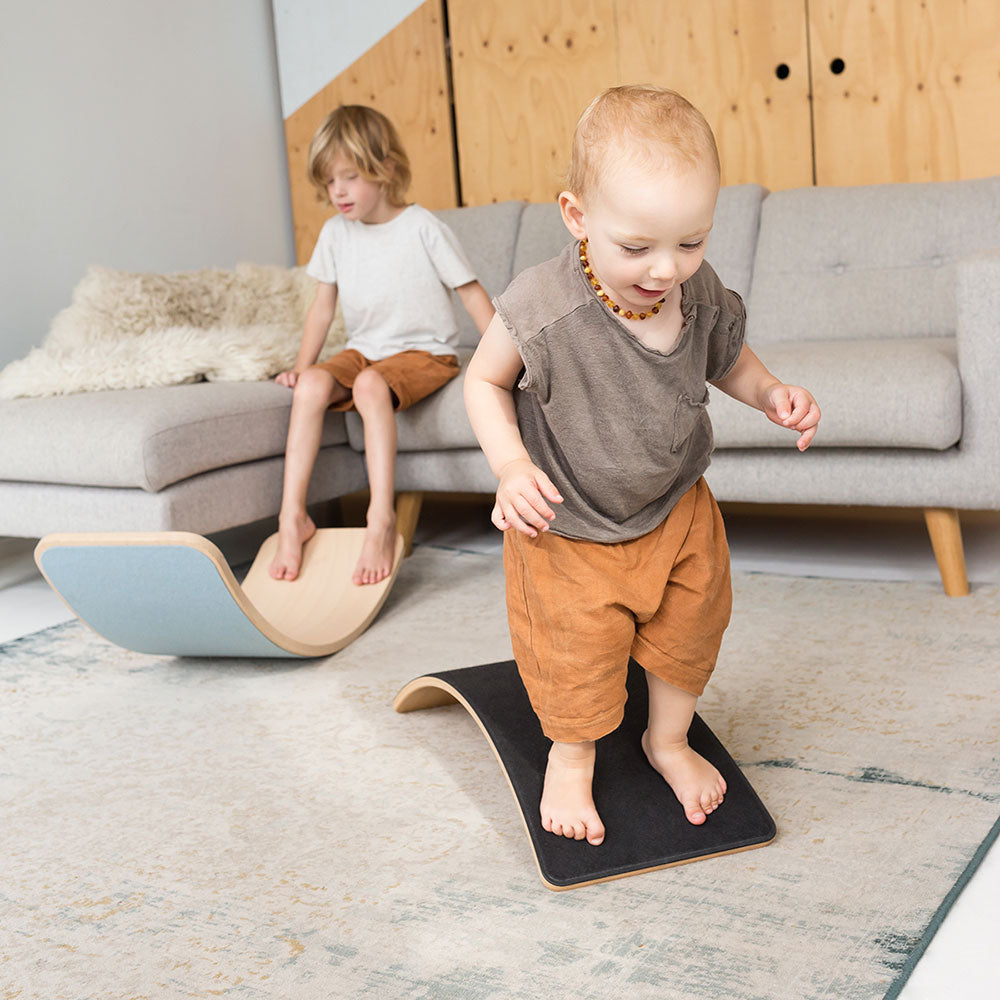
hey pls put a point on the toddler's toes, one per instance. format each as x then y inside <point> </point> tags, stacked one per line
<point>694,811</point>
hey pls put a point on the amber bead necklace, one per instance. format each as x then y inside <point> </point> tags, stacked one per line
<point>606,299</point>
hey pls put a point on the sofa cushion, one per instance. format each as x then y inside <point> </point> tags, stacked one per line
<point>919,406</point>
<point>863,262</point>
<point>147,438</point>
<point>487,234</point>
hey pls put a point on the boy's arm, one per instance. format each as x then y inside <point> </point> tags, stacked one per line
<point>477,304</point>
<point>317,326</point>
<point>523,488</point>
<point>788,405</point>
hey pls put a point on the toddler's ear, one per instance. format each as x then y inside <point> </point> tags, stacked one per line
<point>572,214</point>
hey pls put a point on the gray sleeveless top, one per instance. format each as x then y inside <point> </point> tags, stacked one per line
<point>621,429</point>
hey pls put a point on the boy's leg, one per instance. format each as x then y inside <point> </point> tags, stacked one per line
<point>374,402</point>
<point>390,384</point>
<point>697,784</point>
<point>314,392</point>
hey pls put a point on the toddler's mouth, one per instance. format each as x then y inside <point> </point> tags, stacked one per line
<point>344,206</point>
<point>647,293</point>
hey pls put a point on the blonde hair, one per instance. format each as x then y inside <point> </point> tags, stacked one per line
<point>367,138</point>
<point>638,121</point>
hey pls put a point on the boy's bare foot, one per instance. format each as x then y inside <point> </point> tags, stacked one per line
<point>293,533</point>
<point>697,784</point>
<point>567,798</point>
<point>377,552</point>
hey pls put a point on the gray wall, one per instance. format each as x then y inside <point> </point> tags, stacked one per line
<point>140,134</point>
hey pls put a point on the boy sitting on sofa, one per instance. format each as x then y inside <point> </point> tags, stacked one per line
<point>392,265</point>
<point>587,394</point>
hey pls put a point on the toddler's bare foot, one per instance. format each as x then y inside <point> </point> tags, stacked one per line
<point>697,784</point>
<point>567,798</point>
<point>293,533</point>
<point>377,552</point>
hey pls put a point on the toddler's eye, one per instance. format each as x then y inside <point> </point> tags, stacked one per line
<point>633,250</point>
<point>692,246</point>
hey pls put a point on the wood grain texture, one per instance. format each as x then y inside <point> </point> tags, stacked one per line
<point>918,96</point>
<point>405,77</point>
<point>523,72</point>
<point>722,56</point>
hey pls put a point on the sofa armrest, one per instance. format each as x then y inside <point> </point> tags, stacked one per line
<point>977,295</point>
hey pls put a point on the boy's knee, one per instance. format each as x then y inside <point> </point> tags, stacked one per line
<point>370,387</point>
<point>314,387</point>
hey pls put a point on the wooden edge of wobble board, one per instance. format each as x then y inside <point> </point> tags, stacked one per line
<point>647,830</point>
<point>301,618</point>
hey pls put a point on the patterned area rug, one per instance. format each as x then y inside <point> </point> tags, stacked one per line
<point>265,829</point>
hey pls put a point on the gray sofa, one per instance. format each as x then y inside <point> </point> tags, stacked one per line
<point>884,301</point>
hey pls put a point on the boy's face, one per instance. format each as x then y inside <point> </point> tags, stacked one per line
<point>646,229</point>
<point>354,195</point>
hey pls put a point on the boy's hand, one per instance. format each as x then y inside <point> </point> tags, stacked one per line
<point>793,407</point>
<point>521,499</point>
<point>288,378</point>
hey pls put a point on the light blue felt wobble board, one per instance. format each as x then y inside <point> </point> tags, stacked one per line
<point>173,593</point>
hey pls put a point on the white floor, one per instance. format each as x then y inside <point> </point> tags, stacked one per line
<point>963,958</point>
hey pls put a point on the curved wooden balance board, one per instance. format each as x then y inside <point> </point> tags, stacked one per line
<point>646,826</point>
<point>172,592</point>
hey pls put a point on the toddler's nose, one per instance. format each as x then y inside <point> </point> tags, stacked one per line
<point>663,268</point>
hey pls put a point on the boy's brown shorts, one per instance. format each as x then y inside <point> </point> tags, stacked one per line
<point>411,375</point>
<point>578,609</point>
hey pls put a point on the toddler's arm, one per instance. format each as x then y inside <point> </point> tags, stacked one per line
<point>523,488</point>
<point>788,405</point>
<point>477,304</point>
<point>317,326</point>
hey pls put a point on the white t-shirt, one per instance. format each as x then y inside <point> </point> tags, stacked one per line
<point>393,280</point>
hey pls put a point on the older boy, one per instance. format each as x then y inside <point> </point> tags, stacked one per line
<point>588,392</point>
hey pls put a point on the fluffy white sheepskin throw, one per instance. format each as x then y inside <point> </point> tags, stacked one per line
<point>125,331</point>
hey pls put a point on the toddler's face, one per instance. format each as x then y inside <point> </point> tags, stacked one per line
<point>353,194</point>
<point>646,230</point>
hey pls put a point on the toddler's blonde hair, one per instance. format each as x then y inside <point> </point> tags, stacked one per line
<point>651,123</point>
<point>367,138</point>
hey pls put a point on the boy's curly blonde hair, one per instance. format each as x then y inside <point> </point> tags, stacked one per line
<point>651,123</point>
<point>370,141</point>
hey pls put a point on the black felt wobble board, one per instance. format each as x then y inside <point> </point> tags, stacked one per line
<point>646,826</point>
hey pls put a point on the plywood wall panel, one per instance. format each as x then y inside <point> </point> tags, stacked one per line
<point>523,71</point>
<point>405,76</point>
<point>722,56</point>
<point>919,94</point>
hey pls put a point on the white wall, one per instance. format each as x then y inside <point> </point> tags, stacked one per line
<point>319,39</point>
<point>140,135</point>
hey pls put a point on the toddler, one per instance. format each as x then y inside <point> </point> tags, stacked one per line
<point>391,265</point>
<point>587,394</point>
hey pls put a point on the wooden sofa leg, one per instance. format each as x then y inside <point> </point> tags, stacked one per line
<point>946,539</point>
<point>407,514</point>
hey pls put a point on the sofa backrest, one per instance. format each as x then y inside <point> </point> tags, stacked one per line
<point>504,239</point>
<point>862,262</point>
<point>488,234</point>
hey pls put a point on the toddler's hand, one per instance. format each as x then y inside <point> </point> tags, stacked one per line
<point>521,498</point>
<point>793,407</point>
<point>288,378</point>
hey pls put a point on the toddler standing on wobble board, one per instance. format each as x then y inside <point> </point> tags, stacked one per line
<point>587,394</point>
<point>393,266</point>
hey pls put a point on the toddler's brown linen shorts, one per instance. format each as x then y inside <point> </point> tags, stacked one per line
<point>411,375</point>
<point>577,611</point>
